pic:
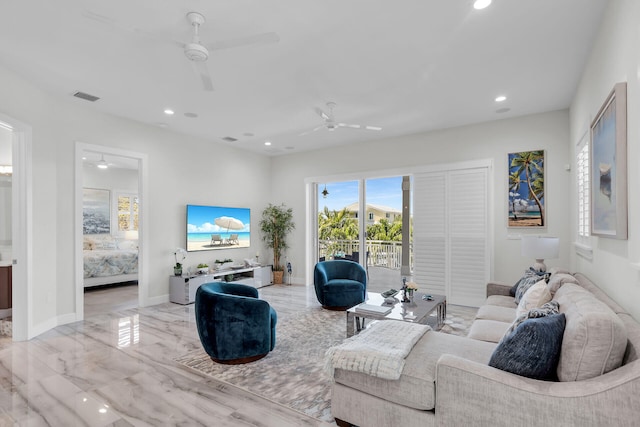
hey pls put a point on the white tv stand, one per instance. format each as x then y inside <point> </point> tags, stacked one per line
<point>182,289</point>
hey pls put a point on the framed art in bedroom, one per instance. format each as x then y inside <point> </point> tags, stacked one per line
<point>96,211</point>
<point>609,166</point>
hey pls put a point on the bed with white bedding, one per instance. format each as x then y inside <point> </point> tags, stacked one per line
<point>109,263</point>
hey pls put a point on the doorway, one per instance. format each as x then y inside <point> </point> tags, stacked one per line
<point>110,244</point>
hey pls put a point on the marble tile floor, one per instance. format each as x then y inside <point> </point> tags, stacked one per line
<point>116,368</point>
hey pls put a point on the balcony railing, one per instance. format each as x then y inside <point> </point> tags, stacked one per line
<point>380,253</point>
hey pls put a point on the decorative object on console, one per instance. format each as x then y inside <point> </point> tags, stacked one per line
<point>609,166</point>
<point>540,248</point>
<point>180,254</point>
<point>203,268</point>
<point>526,189</point>
<point>276,223</point>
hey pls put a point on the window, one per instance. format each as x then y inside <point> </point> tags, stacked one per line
<point>127,212</point>
<point>582,243</point>
<point>583,189</point>
<point>370,216</point>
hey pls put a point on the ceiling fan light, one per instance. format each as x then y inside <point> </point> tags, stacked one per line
<point>102,164</point>
<point>481,4</point>
<point>373,128</point>
<point>196,52</point>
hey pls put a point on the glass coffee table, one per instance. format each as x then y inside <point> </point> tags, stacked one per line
<point>418,311</point>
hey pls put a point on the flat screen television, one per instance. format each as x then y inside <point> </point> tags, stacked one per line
<point>216,227</point>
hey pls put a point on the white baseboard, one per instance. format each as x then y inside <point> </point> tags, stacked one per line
<point>155,300</point>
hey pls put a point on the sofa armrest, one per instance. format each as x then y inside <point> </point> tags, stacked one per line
<point>468,390</point>
<point>498,288</point>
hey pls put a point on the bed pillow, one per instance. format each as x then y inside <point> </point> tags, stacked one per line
<point>126,244</point>
<point>537,295</point>
<point>533,349</point>
<point>88,244</point>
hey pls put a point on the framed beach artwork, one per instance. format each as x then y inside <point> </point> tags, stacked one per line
<point>526,189</point>
<point>609,166</point>
<point>96,213</point>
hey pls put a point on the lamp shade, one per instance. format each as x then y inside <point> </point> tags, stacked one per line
<point>539,247</point>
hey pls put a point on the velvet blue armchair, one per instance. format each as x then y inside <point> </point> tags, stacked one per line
<point>234,325</point>
<point>340,284</point>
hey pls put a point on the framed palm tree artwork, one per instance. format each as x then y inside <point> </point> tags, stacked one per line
<point>526,189</point>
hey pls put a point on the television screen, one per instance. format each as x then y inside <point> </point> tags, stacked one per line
<point>215,227</point>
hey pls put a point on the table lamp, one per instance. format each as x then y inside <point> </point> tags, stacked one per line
<point>540,248</point>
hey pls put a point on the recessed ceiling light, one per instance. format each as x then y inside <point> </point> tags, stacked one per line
<point>501,98</point>
<point>481,4</point>
<point>267,143</point>
<point>168,112</point>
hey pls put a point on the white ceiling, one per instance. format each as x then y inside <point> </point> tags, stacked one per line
<point>407,66</point>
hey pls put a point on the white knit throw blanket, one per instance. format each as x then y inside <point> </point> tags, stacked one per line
<point>379,350</point>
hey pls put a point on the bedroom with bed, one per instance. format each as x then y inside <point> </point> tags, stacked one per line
<point>110,222</point>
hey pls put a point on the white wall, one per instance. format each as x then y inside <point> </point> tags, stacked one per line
<point>615,58</point>
<point>112,179</point>
<point>493,140</point>
<point>180,172</point>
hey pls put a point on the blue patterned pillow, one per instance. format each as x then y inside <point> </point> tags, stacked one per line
<point>533,349</point>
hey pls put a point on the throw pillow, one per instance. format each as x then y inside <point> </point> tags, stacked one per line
<point>552,307</point>
<point>559,279</point>
<point>531,276</point>
<point>537,295</point>
<point>533,349</point>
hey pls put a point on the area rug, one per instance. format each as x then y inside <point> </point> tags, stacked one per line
<point>293,373</point>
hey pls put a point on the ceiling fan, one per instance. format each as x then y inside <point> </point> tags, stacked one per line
<point>195,50</point>
<point>331,124</point>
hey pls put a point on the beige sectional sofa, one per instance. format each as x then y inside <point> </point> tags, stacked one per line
<point>447,381</point>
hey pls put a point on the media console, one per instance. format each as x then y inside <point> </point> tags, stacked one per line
<point>182,289</point>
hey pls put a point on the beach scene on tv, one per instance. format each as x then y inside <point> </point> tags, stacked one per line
<point>214,227</point>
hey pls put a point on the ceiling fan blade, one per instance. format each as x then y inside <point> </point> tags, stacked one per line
<point>256,39</point>
<point>344,125</point>
<point>200,68</point>
<point>115,25</point>
<point>371,127</point>
<point>311,131</point>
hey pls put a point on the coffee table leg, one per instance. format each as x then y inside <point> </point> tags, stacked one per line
<point>350,320</point>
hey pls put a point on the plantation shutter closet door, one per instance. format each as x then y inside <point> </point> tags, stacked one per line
<point>451,234</point>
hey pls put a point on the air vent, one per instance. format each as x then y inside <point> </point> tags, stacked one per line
<point>86,96</point>
<point>229,139</point>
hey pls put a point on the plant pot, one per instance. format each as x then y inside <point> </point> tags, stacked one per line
<point>277,277</point>
<point>203,270</point>
<point>177,271</point>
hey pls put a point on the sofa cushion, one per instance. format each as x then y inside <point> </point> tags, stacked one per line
<point>416,386</point>
<point>494,312</point>
<point>595,338</point>
<point>501,301</point>
<point>488,330</point>
<point>532,350</point>
<point>559,279</point>
<point>535,297</point>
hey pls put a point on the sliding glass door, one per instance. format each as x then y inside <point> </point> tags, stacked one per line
<point>343,219</point>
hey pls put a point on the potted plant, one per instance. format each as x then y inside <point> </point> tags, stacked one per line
<point>180,255</point>
<point>276,223</point>
<point>203,268</point>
